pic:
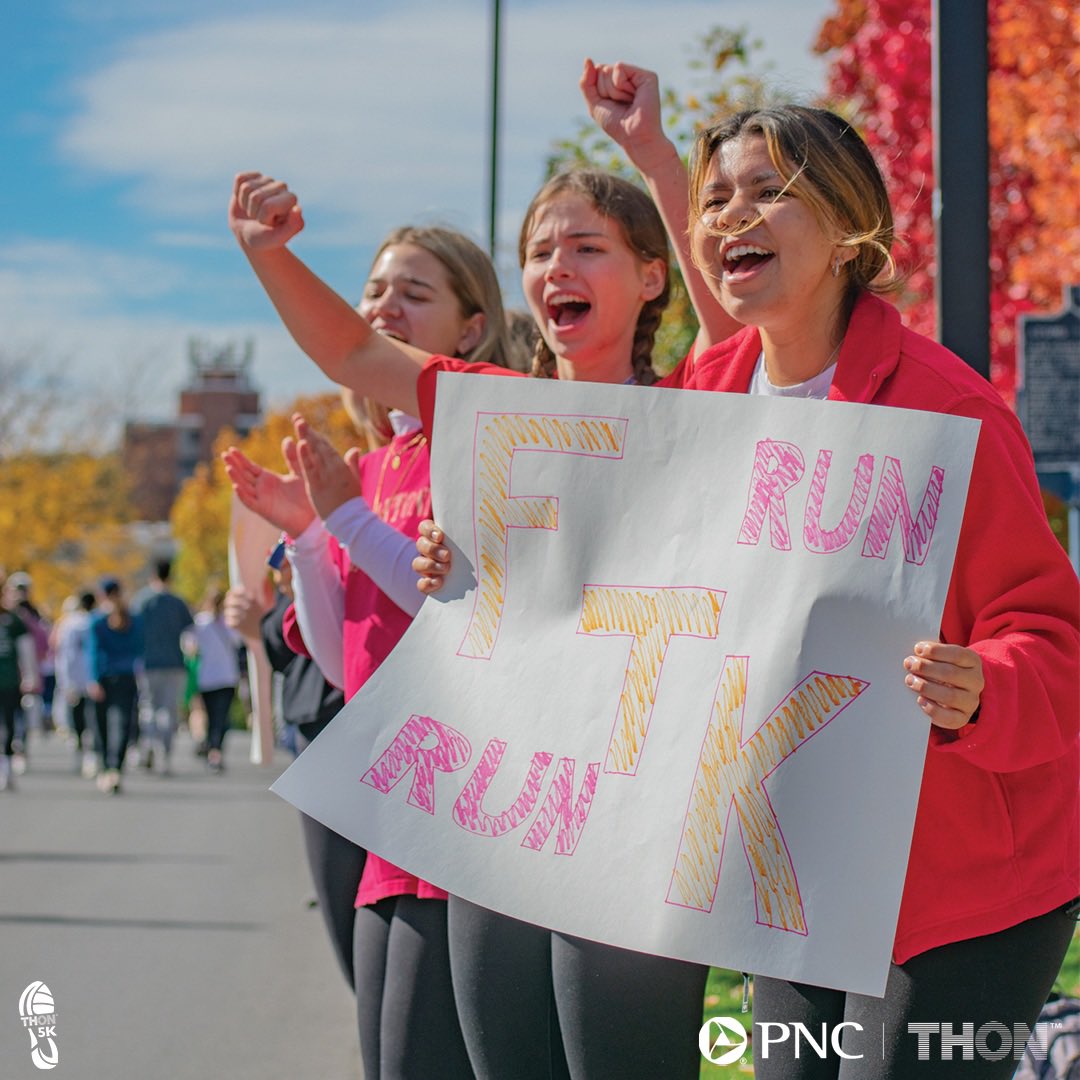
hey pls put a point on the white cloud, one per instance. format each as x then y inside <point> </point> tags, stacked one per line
<point>52,279</point>
<point>323,102</point>
<point>375,118</point>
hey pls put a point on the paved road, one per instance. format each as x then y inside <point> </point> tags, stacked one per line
<point>171,924</point>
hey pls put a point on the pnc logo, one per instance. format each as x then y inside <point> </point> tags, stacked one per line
<point>722,1040</point>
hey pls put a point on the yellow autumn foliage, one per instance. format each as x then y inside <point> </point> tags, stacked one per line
<point>64,519</point>
<point>200,515</point>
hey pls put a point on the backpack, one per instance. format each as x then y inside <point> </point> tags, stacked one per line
<point>1056,1055</point>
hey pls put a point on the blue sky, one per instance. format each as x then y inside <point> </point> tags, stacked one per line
<point>124,122</point>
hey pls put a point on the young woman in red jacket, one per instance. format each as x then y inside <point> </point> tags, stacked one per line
<point>792,231</point>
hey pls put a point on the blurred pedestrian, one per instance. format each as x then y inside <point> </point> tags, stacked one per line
<point>116,651</point>
<point>70,640</point>
<point>18,671</point>
<point>161,685</point>
<point>217,648</point>
<point>29,712</point>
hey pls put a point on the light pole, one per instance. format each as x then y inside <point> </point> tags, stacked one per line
<point>962,179</point>
<point>493,162</point>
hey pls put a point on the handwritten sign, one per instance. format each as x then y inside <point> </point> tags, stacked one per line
<point>660,701</point>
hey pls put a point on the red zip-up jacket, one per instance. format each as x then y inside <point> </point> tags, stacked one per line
<point>997,831</point>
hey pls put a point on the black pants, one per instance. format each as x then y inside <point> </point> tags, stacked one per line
<point>997,980</point>
<point>77,716</point>
<point>9,705</point>
<point>114,718</point>
<point>336,865</point>
<point>620,1013</point>
<point>217,704</point>
<point>404,999</point>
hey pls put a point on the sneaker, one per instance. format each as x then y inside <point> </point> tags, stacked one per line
<point>89,765</point>
<point>18,763</point>
<point>215,761</point>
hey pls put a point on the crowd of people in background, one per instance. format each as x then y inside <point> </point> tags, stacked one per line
<point>115,677</point>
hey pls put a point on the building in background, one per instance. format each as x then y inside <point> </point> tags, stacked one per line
<point>159,456</point>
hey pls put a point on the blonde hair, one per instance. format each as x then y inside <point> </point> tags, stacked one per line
<point>644,233</point>
<point>824,162</point>
<point>474,283</point>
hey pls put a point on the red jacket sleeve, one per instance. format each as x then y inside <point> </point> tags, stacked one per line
<point>1014,599</point>
<point>429,373</point>
<point>290,631</point>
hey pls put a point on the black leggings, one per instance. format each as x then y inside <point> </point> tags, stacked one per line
<point>620,1013</point>
<point>1000,979</point>
<point>9,706</point>
<point>113,717</point>
<point>217,703</point>
<point>336,865</point>
<point>404,999</point>
<point>77,718</point>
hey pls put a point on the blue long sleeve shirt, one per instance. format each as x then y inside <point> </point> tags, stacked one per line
<point>115,652</point>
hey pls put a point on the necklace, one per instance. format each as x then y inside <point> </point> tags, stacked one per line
<point>393,461</point>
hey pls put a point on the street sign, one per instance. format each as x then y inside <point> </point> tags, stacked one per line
<point>1048,399</point>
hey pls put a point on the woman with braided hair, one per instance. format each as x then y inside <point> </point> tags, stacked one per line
<point>594,256</point>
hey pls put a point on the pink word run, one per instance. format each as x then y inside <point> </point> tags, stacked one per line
<point>727,798</point>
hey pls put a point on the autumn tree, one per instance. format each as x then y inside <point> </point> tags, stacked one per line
<point>201,513</point>
<point>65,520</point>
<point>1034,104</point>
<point>879,75</point>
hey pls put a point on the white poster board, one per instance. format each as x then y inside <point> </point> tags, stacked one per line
<point>660,701</point>
<point>251,539</point>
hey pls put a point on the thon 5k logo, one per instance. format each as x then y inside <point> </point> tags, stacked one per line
<point>37,1010</point>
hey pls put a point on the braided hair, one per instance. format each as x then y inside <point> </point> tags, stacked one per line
<point>643,231</point>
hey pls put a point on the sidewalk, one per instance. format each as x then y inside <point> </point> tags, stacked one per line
<point>171,925</point>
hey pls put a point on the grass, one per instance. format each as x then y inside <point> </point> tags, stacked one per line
<point>724,992</point>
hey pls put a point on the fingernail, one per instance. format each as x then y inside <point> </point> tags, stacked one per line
<point>442,554</point>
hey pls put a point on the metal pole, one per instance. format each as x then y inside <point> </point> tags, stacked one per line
<point>493,165</point>
<point>961,171</point>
